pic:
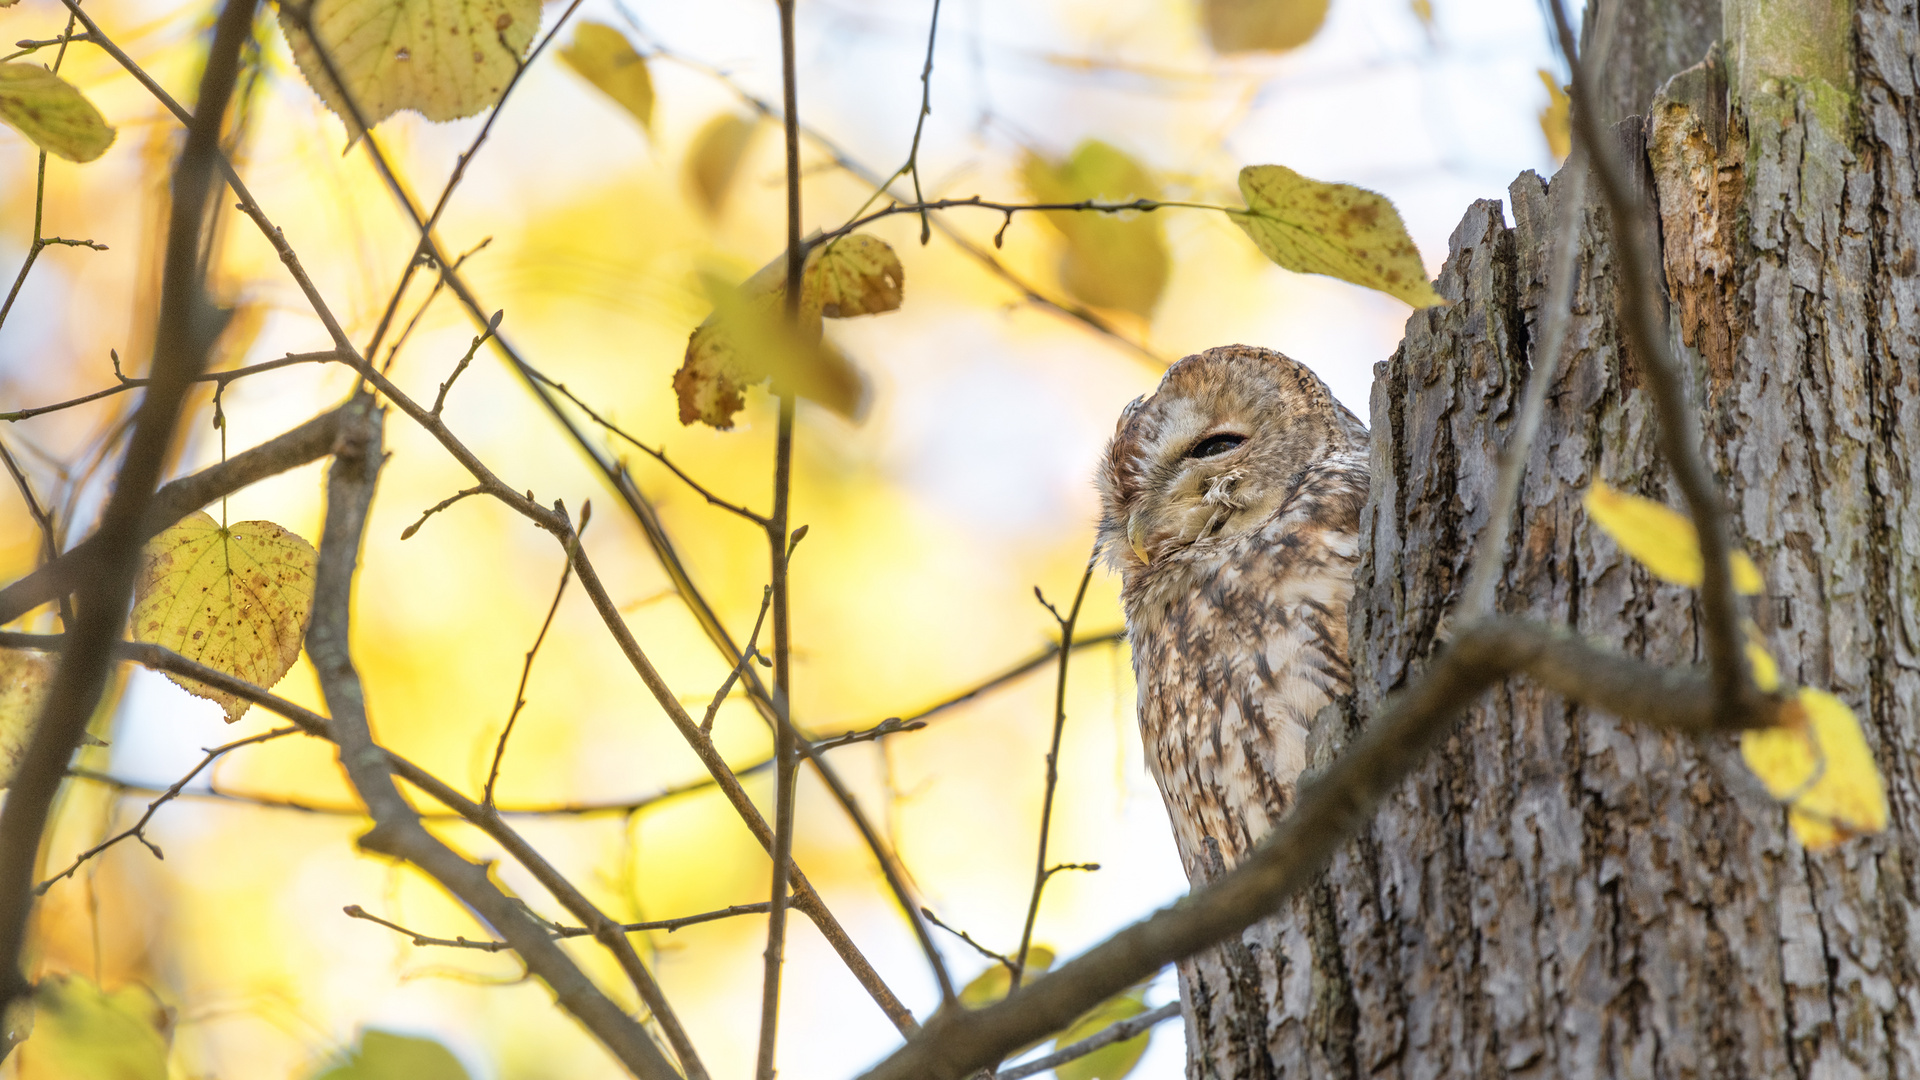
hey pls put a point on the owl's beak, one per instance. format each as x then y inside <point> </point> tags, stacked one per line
<point>1137,536</point>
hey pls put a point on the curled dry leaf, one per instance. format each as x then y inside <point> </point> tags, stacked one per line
<point>81,1032</point>
<point>715,157</point>
<point>444,59</point>
<point>601,55</point>
<point>1817,761</point>
<point>1235,26</point>
<point>235,599</point>
<point>1335,229</point>
<point>48,110</point>
<point>747,339</point>
<point>24,678</point>
<point>1661,538</point>
<point>1111,260</point>
<point>1555,118</point>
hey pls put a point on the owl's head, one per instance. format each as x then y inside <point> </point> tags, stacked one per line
<point>1210,456</point>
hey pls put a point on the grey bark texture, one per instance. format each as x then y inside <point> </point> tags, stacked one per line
<point>1556,895</point>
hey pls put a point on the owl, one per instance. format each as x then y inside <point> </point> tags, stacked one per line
<point>1230,505</point>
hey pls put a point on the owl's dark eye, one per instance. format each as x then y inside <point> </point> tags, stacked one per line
<point>1215,445</point>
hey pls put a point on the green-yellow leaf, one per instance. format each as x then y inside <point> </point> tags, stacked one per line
<point>383,1055</point>
<point>1235,26</point>
<point>83,1033</point>
<point>748,340</point>
<point>1555,118</point>
<point>235,599</point>
<point>1115,1060</point>
<point>992,984</point>
<point>1111,260</point>
<point>1335,229</point>
<point>601,55</point>
<point>444,59</point>
<point>48,110</point>
<point>1818,762</point>
<point>24,678</point>
<point>854,275</point>
<point>1661,539</point>
<point>715,157</point>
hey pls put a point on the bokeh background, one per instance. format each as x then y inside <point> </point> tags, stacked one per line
<point>931,522</point>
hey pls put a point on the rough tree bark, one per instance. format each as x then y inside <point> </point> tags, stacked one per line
<point>1555,895</point>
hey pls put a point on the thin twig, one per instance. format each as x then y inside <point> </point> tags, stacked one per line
<point>440,399</point>
<point>407,533</point>
<point>219,378</point>
<point>1119,1031</point>
<point>1041,874</point>
<point>1679,427</point>
<point>785,763</point>
<point>43,519</point>
<point>746,657</point>
<point>138,831</point>
<point>912,167</point>
<point>1002,959</point>
<point>558,932</point>
<point>526,669</point>
<point>657,455</point>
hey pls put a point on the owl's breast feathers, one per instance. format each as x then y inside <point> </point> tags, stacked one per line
<point>1237,644</point>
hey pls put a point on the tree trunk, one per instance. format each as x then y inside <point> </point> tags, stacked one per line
<point>1557,895</point>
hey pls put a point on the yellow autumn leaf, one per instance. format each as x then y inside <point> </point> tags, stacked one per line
<point>853,275</point>
<point>748,340</point>
<point>714,158</point>
<point>236,599</point>
<point>1111,260</point>
<point>1555,118</point>
<point>601,55</point>
<point>1423,10</point>
<point>53,114</point>
<point>1335,229</point>
<point>24,678</point>
<point>444,59</point>
<point>1661,539</point>
<point>1235,26</point>
<point>992,984</point>
<point>1114,1060</point>
<point>1818,762</point>
<point>81,1032</point>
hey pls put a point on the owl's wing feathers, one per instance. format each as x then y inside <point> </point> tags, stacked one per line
<point>1245,652</point>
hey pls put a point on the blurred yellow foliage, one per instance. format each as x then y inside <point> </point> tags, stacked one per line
<point>1661,539</point>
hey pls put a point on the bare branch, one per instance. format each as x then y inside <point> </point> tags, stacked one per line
<point>184,334</point>
<point>1002,959</point>
<point>397,831</point>
<point>407,533</point>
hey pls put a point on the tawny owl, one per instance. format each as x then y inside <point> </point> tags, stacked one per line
<point>1231,504</point>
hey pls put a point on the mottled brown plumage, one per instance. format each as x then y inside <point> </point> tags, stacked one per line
<point>1236,571</point>
<point>1237,562</point>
